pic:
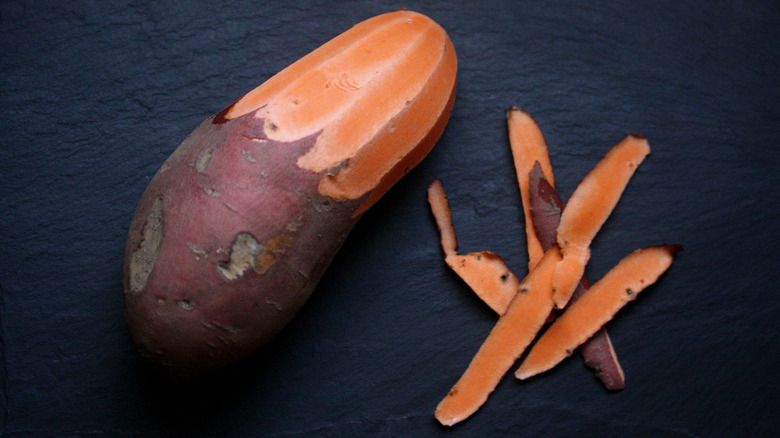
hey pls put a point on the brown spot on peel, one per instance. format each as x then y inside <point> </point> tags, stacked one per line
<point>336,168</point>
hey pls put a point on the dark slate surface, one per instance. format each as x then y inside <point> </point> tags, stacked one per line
<point>95,95</point>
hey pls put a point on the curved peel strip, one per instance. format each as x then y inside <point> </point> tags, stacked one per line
<point>511,335</point>
<point>488,276</point>
<point>596,307</point>
<point>485,272</point>
<point>545,207</point>
<point>589,207</point>
<point>597,352</point>
<point>440,207</point>
<point>528,147</point>
<point>599,355</point>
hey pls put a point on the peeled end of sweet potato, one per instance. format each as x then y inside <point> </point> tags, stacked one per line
<point>401,64</point>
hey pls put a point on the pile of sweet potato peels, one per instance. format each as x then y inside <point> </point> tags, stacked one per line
<point>558,241</point>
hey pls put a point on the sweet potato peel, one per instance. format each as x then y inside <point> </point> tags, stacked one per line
<point>513,332</point>
<point>589,207</point>
<point>485,272</point>
<point>528,148</point>
<point>596,307</point>
<point>597,352</point>
<point>545,206</point>
<point>558,240</point>
<point>440,206</point>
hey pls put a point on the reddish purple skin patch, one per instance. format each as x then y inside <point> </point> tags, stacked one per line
<point>546,207</point>
<point>228,179</point>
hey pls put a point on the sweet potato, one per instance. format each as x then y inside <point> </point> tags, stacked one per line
<point>237,226</point>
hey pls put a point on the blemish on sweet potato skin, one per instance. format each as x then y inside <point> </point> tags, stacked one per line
<point>247,253</point>
<point>244,254</point>
<point>195,253</point>
<point>251,223</point>
<point>203,159</point>
<point>144,257</point>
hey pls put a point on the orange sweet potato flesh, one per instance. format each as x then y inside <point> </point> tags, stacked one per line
<point>488,276</point>
<point>485,272</point>
<point>442,213</point>
<point>599,355</point>
<point>596,307</point>
<point>528,148</point>
<point>589,207</point>
<point>597,352</point>
<point>236,228</point>
<point>511,335</point>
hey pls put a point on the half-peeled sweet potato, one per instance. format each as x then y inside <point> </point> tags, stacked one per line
<point>237,226</point>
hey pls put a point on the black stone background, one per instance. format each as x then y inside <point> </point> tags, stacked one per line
<point>95,95</point>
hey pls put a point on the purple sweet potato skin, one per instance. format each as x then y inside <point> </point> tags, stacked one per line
<point>598,353</point>
<point>226,245</point>
<point>546,208</point>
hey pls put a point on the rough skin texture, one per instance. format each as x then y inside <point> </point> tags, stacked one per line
<point>268,259</point>
<point>235,230</point>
